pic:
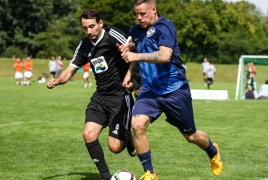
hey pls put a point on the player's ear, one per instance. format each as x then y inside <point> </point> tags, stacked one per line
<point>101,23</point>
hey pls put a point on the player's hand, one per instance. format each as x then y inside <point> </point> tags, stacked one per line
<point>129,57</point>
<point>52,83</point>
<point>122,48</point>
<point>127,84</point>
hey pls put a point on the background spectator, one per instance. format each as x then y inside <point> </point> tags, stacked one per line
<point>28,67</point>
<point>263,92</point>
<point>249,94</point>
<point>18,71</point>
<point>209,73</point>
<point>204,64</point>
<point>59,65</point>
<point>87,82</point>
<point>52,67</point>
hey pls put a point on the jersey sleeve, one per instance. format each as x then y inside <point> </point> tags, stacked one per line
<point>166,35</point>
<point>78,60</point>
<point>117,36</point>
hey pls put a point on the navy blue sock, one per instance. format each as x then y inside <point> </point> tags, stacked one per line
<point>211,150</point>
<point>146,161</point>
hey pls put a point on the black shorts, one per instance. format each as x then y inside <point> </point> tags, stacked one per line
<point>52,72</point>
<point>210,79</point>
<point>113,111</point>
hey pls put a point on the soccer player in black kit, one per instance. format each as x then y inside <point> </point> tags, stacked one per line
<point>111,104</point>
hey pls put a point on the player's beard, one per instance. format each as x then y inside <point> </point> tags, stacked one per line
<point>92,38</point>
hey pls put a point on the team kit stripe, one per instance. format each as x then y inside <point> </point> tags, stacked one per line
<point>75,54</point>
<point>118,36</point>
<point>127,98</point>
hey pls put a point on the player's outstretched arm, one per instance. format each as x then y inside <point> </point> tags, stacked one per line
<point>63,77</point>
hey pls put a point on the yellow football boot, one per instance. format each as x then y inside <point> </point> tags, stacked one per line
<point>148,176</point>
<point>216,162</point>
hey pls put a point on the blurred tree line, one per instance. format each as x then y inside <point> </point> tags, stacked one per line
<point>215,29</point>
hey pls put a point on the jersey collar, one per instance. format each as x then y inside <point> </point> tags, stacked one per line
<point>102,34</point>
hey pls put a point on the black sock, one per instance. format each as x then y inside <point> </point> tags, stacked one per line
<point>96,153</point>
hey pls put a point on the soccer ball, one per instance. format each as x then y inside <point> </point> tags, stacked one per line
<point>123,175</point>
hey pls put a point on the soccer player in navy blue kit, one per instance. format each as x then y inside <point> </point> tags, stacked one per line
<point>164,85</point>
<point>111,104</point>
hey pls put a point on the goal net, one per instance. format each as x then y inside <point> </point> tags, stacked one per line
<point>261,64</point>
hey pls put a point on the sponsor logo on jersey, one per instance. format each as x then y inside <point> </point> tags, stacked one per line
<point>99,64</point>
<point>150,31</point>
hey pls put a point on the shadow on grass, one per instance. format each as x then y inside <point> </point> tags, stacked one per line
<point>87,176</point>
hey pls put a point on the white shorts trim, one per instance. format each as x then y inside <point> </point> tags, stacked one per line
<point>18,75</point>
<point>86,75</point>
<point>28,74</point>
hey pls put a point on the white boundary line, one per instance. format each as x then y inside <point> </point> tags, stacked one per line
<point>18,123</point>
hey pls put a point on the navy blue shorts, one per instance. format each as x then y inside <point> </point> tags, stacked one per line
<point>177,107</point>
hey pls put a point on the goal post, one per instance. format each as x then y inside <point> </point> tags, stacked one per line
<point>261,63</point>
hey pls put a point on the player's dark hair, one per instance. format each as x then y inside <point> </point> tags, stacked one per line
<point>139,2</point>
<point>90,14</point>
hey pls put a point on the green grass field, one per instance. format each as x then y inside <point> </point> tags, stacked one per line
<point>41,133</point>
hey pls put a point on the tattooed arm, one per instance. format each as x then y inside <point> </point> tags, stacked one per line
<point>162,56</point>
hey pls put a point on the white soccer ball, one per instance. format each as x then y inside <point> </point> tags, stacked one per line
<point>123,175</point>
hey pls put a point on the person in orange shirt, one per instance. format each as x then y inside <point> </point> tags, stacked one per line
<point>18,71</point>
<point>87,82</point>
<point>254,68</point>
<point>28,66</point>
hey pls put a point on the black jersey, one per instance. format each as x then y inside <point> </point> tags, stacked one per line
<point>105,60</point>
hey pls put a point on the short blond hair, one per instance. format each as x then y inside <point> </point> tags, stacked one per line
<point>139,2</point>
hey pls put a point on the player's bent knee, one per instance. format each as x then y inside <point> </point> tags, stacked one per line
<point>89,137</point>
<point>191,138</point>
<point>115,148</point>
<point>139,124</point>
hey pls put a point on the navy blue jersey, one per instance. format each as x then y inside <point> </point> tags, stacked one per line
<point>160,78</point>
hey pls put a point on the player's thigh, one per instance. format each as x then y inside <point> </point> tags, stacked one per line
<point>178,109</point>
<point>119,110</point>
<point>95,111</point>
<point>95,119</point>
<point>147,105</point>
<point>115,144</point>
<point>91,131</point>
